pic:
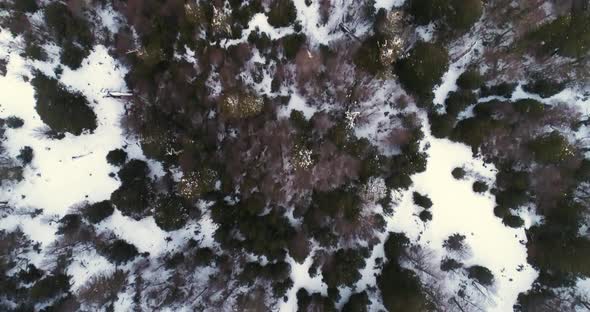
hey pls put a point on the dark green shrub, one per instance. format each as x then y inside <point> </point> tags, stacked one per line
<point>480,187</point>
<point>337,202</point>
<point>544,88</point>
<point>66,27</point>
<point>558,251</point>
<point>267,235</point>
<point>25,155</point>
<point>462,14</point>
<point>120,252</point>
<point>280,288</point>
<point>291,44</point>
<point>455,242</point>
<point>423,68</point>
<point>450,264</point>
<point>501,211</point>
<point>11,174</point>
<point>511,198</point>
<point>367,56</point>
<point>457,101</point>
<point>69,224</point>
<point>34,51</point>
<point>399,181</point>
<point>133,197</point>
<point>487,110</point>
<point>61,109</point>
<point>533,299</point>
<point>481,274</point>
<point>422,200</point>
<point>459,15</point>
<point>401,289</point>
<point>117,157</point>
<point>50,287</point>
<point>425,216</point>
<point>31,274</point>
<point>282,13</point>
<point>358,302</point>
<point>98,211</point>
<point>458,173</point>
<point>344,268</point>
<point>204,257</point>
<point>72,55</point>
<point>242,13</point>
<point>134,170</point>
<point>426,11</point>
<point>583,171</point>
<point>132,200</point>
<point>503,89</point>
<point>171,212</point>
<point>515,180</point>
<point>26,6</point>
<point>473,131</point>
<point>441,126</point>
<point>551,148</point>
<point>259,39</point>
<point>566,214</point>
<point>470,80</point>
<point>513,221</point>
<point>395,246</point>
<point>530,107</point>
<point>14,122</point>
<point>314,302</point>
<point>3,69</point>
<point>565,35</point>
<point>298,120</point>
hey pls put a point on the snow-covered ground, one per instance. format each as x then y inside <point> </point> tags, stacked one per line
<point>457,209</point>
<point>64,172</point>
<point>67,172</point>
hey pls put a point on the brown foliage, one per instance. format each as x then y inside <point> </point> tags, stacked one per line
<point>333,168</point>
<point>102,289</point>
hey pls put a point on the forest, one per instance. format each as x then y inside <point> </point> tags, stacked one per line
<point>270,155</point>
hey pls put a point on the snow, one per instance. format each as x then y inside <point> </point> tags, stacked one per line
<point>109,19</point>
<point>457,209</point>
<point>39,229</point>
<point>64,172</point>
<point>301,279</point>
<point>86,265</point>
<point>297,102</point>
<point>74,169</point>
<point>426,32</point>
<point>259,22</point>
<point>144,234</point>
<point>322,33</point>
<point>449,79</point>
<point>388,4</point>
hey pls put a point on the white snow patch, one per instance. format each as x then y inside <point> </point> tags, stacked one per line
<point>388,4</point>
<point>85,265</point>
<point>40,229</point>
<point>301,279</point>
<point>341,11</point>
<point>109,19</point>
<point>259,22</point>
<point>457,209</point>
<point>64,172</point>
<point>144,234</point>
<point>297,102</point>
<point>426,32</point>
